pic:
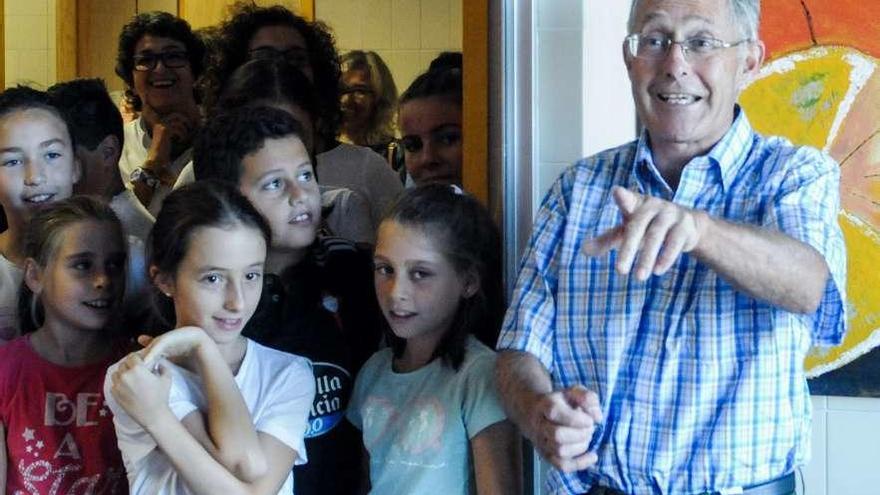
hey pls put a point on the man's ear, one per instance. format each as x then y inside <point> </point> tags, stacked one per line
<point>754,58</point>
<point>110,150</point>
<point>627,58</point>
<point>163,281</point>
<point>33,276</point>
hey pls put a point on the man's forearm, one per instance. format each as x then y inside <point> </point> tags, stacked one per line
<point>767,265</point>
<point>521,380</point>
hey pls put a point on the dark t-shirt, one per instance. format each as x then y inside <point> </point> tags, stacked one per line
<point>325,309</point>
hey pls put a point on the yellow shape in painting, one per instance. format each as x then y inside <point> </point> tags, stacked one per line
<point>809,97</point>
<point>798,97</point>
<point>863,258</point>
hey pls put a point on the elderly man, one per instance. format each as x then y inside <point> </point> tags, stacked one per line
<point>673,285</point>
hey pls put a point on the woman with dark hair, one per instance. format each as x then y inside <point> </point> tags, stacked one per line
<point>159,59</point>
<point>254,32</point>
<point>430,123</point>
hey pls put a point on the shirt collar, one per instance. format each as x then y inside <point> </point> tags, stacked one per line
<point>727,155</point>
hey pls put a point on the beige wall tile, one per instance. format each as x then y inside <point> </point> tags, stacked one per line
<point>376,18</point>
<point>26,32</point>
<point>161,5</point>
<point>26,7</point>
<point>456,24</point>
<point>405,24</point>
<point>34,67</point>
<point>434,22</point>
<point>407,65</point>
<point>11,68</point>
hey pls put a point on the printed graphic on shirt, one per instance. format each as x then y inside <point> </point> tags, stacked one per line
<point>50,461</point>
<point>415,429</point>
<point>332,391</point>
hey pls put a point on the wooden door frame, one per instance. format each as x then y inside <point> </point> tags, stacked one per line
<point>66,29</point>
<point>475,105</point>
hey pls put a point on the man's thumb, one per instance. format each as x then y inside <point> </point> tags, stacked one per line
<point>626,200</point>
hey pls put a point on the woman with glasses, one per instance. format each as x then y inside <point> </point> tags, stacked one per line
<point>369,99</point>
<point>159,59</point>
<point>253,32</point>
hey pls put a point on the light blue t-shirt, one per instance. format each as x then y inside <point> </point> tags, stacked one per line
<point>417,426</point>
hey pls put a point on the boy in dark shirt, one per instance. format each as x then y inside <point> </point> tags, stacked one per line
<point>318,299</point>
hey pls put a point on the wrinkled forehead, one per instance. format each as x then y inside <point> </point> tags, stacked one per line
<point>682,15</point>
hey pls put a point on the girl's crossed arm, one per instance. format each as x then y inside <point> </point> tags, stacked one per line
<point>144,396</point>
<point>226,455</point>
<point>229,434</point>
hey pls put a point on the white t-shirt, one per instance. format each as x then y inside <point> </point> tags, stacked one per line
<point>136,220</point>
<point>10,282</point>
<point>134,154</point>
<point>277,387</point>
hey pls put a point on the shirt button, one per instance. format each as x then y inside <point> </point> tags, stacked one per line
<point>276,298</point>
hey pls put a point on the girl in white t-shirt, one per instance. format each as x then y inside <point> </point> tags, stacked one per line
<point>428,407</point>
<point>202,409</point>
<point>37,167</point>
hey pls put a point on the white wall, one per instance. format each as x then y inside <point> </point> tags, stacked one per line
<point>582,104</point>
<point>29,42</point>
<point>407,34</point>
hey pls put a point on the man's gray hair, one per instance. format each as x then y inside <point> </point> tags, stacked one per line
<point>746,15</point>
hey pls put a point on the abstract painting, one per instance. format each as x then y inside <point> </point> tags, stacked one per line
<point>820,86</point>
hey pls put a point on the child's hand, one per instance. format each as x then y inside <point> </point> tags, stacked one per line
<point>178,343</point>
<point>142,393</point>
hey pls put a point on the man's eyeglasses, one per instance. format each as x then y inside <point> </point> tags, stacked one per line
<point>656,46</point>
<point>172,60</point>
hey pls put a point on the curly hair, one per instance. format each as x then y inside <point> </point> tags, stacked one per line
<point>463,230</point>
<point>155,24</point>
<point>381,124</point>
<point>228,137</point>
<point>246,18</point>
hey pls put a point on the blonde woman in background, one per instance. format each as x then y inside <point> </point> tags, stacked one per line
<point>368,99</point>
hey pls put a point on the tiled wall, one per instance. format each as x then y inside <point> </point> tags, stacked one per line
<point>30,42</point>
<point>407,34</point>
<point>582,104</point>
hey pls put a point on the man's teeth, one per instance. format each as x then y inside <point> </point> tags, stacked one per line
<point>401,314</point>
<point>98,303</point>
<point>677,98</point>
<point>302,217</point>
<point>39,198</point>
<point>162,84</point>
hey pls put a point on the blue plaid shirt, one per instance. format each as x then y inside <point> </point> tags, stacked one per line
<point>702,386</point>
